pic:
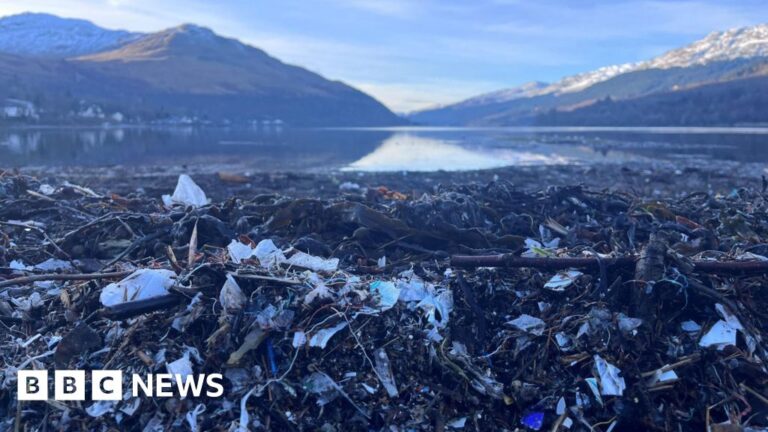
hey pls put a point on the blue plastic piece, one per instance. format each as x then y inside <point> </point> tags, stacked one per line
<point>534,420</point>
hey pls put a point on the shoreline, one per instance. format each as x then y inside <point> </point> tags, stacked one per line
<point>655,179</point>
<point>357,292</point>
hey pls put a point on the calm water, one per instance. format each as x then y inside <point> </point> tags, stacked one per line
<point>417,149</point>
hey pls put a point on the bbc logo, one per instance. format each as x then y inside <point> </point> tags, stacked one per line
<point>69,385</point>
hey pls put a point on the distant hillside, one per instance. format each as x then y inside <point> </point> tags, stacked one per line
<point>50,36</point>
<point>721,57</point>
<point>183,74</point>
<point>737,102</point>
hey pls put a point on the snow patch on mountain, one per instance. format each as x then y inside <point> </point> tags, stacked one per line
<point>38,34</point>
<point>530,89</point>
<point>734,44</point>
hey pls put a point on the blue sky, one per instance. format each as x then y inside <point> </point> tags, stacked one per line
<point>411,54</point>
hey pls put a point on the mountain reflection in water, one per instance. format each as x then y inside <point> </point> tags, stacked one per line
<point>396,149</point>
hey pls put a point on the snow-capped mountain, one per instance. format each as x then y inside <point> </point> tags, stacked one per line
<point>718,57</point>
<point>51,36</point>
<point>533,88</point>
<point>740,43</point>
<point>181,73</point>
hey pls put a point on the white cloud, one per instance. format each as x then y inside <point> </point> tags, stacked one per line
<point>404,97</point>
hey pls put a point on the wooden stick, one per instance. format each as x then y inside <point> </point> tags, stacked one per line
<point>513,261</point>
<point>61,277</point>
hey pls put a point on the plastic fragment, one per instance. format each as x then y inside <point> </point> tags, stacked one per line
<point>18,265</point>
<point>252,340</point>
<point>720,335</point>
<point>53,264</point>
<point>562,280</point>
<point>268,254</point>
<point>457,423</point>
<point>299,339</point>
<point>384,372</point>
<point>322,386</point>
<point>529,324</point>
<point>534,420</point>
<point>723,332</point>
<point>321,338</point>
<point>387,292</point>
<point>141,284</point>
<point>231,296</point>
<point>191,417</point>
<point>611,384</point>
<point>99,408</point>
<point>239,251</point>
<point>660,377</point>
<point>690,326</point>
<point>560,409</point>
<point>304,260</point>
<point>594,387</point>
<point>182,367</point>
<point>187,193</point>
<point>629,325</point>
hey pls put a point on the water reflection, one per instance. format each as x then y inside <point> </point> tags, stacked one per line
<point>418,149</point>
<point>409,152</point>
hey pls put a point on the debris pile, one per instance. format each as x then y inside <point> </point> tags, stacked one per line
<point>473,307</point>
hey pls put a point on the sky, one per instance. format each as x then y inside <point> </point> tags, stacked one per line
<point>414,54</point>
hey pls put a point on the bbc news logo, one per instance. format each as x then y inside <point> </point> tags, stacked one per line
<point>106,385</point>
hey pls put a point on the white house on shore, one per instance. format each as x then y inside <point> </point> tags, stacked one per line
<point>18,109</point>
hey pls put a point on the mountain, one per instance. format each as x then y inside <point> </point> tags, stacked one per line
<point>72,70</point>
<point>47,35</point>
<point>731,56</point>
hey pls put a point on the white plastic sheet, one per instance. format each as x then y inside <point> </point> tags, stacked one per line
<point>529,324</point>
<point>388,293</point>
<point>141,284</point>
<point>321,338</point>
<point>723,332</point>
<point>231,296</point>
<point>611,383</point>
<point>562,280</point>
<point>187,193</point>
<point>303,260</point>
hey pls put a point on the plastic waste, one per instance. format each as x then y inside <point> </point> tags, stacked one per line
<point>187,193</point>
<point>458,423</point>
<point>182,367</point>
<point>321,338</point>
<point>141,284</point>
<point>611,383</point>
<point>231,296</point>
<point>53,264</point>
<point>268,254</point>
<point>304,260</point>
<point>562,280</point>
<point>384,372</point>
<point>534,420</point>
<point>388,293</point>
<point>723,332</point>
<point>529,324</point>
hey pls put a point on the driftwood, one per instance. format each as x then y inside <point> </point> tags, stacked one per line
<point>514,261</point>
<point>650,269</point>
<point>61,277</point>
